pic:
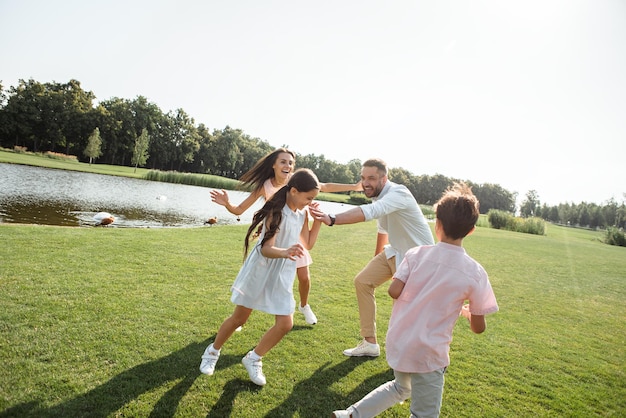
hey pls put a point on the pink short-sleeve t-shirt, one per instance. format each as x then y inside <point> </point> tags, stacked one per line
<point>438,280</point>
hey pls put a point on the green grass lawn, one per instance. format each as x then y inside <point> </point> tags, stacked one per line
<point>111,322</point>
<point>39,160</point>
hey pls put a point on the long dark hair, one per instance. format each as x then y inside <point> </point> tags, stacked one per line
<point>263,170</point>
<point>303,180</point>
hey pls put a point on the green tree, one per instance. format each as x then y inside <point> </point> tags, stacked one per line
<point>94,145</point>
<point>530,204</point>
<point>493,196</point>
<point>354,168</point>
<point>22,115</point>
<point>185,137</point>
<point>252,150</point>
<point>3,96</point>
<point>119,131</point>
<point>227,153</point>
<point>140,153</point>
<point>204,159</point>
<point>620,218</point>
<point>72,117</point>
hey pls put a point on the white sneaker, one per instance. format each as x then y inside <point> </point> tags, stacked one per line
<point>363,349</point>
<point>209,360</point>
<point>255,370</point>
<point>238,329</point>
<point>341,414</point>
<point>309,316</point>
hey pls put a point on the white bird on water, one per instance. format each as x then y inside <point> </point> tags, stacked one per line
<point>103,218</point>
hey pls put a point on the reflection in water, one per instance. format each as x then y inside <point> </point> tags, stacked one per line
<point>35,195</point>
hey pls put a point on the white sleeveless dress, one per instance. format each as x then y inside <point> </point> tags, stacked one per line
<point>266,284</point>
<point>269,190</point>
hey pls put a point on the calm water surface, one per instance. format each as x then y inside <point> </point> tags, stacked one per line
<point>36,195</point>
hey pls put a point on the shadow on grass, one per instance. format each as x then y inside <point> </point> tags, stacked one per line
<point>310,397</point>
<point>313,396</point>
<point>129,385</point>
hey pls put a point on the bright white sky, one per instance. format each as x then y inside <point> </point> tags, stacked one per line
<point>530,95</point>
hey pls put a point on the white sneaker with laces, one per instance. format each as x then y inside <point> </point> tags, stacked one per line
<point>363,349</point>
<point>209,360</point>
<point>341,414</point>
<point>309,316</point>
<point>255,370</point>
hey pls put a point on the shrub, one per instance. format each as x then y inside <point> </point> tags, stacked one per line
<point>358,198</point>
<point>499,219</point>
<point>483,221</point>
<point>192,179</point>
<point>428,211</point>
<point>60,156</point>
<point>535,226</point>
<point>615,236</point>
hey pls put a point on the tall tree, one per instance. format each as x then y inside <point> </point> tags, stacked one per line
<point>205,159</point>
<point>73,110</point>
<point>94,145</point>
<point>530,204</point>
<point>119,131</point>
<point>226,149</point>
<point>140,153</point>
<point>22,121</point>
<point>493,196</point>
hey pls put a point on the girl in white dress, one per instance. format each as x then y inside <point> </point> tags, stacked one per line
<point>270,174</point>
<point>265,281</point>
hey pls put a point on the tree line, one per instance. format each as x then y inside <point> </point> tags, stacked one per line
<point>62,117</point>
<point>589,215</point>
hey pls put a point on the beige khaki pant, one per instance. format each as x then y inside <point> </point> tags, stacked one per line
<point>376,272</point>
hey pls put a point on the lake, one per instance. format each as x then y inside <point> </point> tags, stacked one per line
<point>35,195</point>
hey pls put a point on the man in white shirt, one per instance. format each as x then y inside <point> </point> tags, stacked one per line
<point>401,226</point>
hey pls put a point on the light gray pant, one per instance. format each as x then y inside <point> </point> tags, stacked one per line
<point>424,389</point>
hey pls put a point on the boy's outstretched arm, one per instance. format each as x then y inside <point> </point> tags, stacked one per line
<point>477,322</point>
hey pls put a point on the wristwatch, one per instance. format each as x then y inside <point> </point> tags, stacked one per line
<point>332,219</point>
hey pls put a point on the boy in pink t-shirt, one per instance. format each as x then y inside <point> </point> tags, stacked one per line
<point>430,289</point>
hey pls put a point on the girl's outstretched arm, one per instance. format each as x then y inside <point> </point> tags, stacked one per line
<point>309,236</point>
<point>221,198</point>
<point>309,233</point>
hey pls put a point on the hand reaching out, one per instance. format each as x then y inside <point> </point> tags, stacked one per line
<point>220,197</point>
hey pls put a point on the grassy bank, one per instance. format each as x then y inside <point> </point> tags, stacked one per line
<point>101,322</point>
